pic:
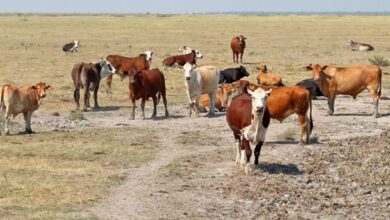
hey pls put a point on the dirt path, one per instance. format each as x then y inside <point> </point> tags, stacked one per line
<point>194,175</point>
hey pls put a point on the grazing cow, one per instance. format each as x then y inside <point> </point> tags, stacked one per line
<point>222,96</point>
<point>180,60</point>
<point>231,75</point>
<point>285,101</point>
<point>71,47</point>
<point>25,99</point>
<point>356,46</point>
<point>238,46</point>
<point>312,86</point>
<point>124,65</point>
<point>144,85</point>
<point>348,81</point>
<point>88,76</point>
<point>248,117</point>
<point>268,79</point>
<point>200,80</point>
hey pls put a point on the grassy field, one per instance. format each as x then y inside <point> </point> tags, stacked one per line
<point>55,175</point>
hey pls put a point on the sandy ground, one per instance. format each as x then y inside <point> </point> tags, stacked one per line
<point>343,173</point>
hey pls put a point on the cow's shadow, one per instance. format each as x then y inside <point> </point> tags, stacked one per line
<point>352,114</point>
<point>107,108</point>
<point>277,168</point>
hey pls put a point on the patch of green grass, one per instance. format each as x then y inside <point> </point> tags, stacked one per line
<point>76,116</point>
<point>57,174</point>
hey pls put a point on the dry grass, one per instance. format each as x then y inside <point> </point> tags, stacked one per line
<point>55,175</point>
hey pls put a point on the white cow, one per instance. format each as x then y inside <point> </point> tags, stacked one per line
<point>200,80</point>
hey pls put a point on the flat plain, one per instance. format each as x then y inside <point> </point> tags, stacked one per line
<point>101,164</point>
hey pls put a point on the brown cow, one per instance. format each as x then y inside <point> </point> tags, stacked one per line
<point>248,117</point>
<point>222,96</point>
<point>348,81</point>
<point>268,79</point>
<point>285,101</point>
<point>25,99</point>
<point>238,46</point>
<point>123,65</point>
<point>146,84</point>
<point>183,59</point>
<point>88,76</point>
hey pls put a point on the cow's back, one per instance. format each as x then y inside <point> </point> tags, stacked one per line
<point>20,99</point>
<point>153,80</point>
<point>353,80</point>
<point>209,78</point>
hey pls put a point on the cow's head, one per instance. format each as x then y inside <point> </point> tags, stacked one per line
<point>41,88</point>
<point>241,38</point>
<point>185,50</point>
<point>317,70</point>
<point>262,68</point>
<point>76,43</point>
<point>187,70</point>
<point>149,56</point>
<point>132,76</point>
<point>259,100</point>
<point>350,42</point>
<point>243,71</point>
<point>198,54</point>
<point>106,68</point>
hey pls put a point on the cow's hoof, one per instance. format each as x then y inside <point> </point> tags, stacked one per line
<point>248,168</point>
<point>29,131</point>
<point>84,110</point>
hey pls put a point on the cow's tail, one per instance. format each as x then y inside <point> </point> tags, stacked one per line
<point>310,115</point>
<point>78,77</point>
<point>158,97</point>
<point>380,83</point>
<point>2,99</point>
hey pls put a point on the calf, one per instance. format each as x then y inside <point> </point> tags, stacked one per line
<point>180,60</point>
<point>231,75</point>
<point>248,117</point>
<point>25,99</point>
<point>348,81</point>
<point>238,46</point>
<point>356,46</point>
<point>312,86</point>
<point>87,76</point>
<point>268,79</point>
<point>285,101</point>
<point>71,47</point>
<point>201,80</point>
<point>146,84</point>
<point>222,96</point>
<point>124,65</point>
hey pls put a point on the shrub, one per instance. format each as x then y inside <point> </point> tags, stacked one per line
<point>379,61</point>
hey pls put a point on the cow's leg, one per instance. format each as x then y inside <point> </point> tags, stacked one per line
<point>86,97</point>
<point>246,153</point>
<point>304,125</point>
<point>27,119</point>
<point>234,57</point>
<point>95,96</point>
<point>190,103</point>
<point>331,100</point>
<point>212,104</point>
<point>196,107</point>
<point>154,98</point>
<point>257,152</point>
<point>241,54</point>
<point>76,97</point>
<point>7,116</point>
<point>108,84</point>
<point>133,108</point>
<point>375,97</point>
<point>238,146</point>
<point>143,108</point>
<point>165,105</point>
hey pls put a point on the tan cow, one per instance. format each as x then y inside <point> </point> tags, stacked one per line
<point>268,79</point>
<point>348,81</point>
<point>222,96</point>
<point>25,99</point>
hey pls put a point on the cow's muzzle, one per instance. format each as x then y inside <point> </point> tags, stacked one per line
<point>188,78</point>
<point>259,110</point>
<point>43,96</point>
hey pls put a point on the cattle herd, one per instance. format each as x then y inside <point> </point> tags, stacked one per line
<point>209,89</point>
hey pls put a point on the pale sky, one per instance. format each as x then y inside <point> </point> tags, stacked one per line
<point>191,6</point>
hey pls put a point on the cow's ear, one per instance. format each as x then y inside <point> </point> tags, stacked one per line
<point>194,66</point>
<point>48,87</point>
<point>310,67</point>
<point>33,87</point>
<point>268,92</point>
<point>324,67</point>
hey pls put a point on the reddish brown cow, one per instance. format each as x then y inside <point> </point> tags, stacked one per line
<point>248,117</point>
<point>146,84</point>
<point>123,65</point>
<point>348,81</point>
<point>285,101</point>
<point>238,46</point>
<point>183,59</point>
